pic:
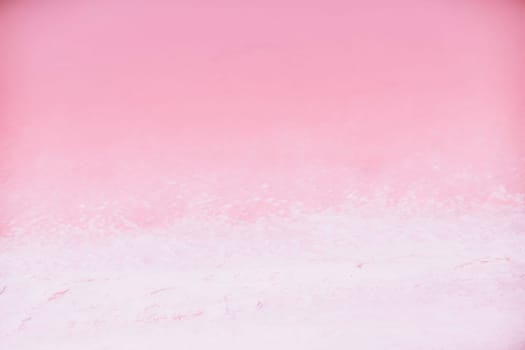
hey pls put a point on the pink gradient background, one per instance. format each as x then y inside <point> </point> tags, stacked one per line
<point>307,140</point>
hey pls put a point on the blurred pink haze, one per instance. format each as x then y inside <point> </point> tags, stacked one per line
<point>238,172</point>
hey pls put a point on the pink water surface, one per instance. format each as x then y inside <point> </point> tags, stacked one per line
<point>310,175</point>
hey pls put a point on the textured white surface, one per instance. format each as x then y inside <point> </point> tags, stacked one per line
<point>342,279</point>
